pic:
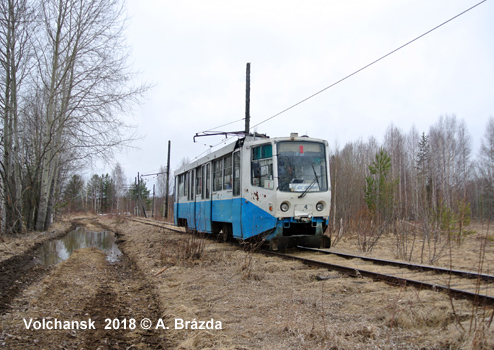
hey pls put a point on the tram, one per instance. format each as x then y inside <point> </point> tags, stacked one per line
<point>275,188</point>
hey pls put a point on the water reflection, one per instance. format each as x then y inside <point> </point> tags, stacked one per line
<point>56,251</point>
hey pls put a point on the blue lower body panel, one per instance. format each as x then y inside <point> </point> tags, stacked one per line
<point>184,212</point>
<point>248,220</point>
<point>203,216</point>
<point>222,210</point>
<point>255,220</point>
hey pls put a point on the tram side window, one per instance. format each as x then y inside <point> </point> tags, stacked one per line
<point>227,178</point>
<point>203,171</point>
<point>191,183</point>
<point>262,166</point>
<point>198,181</point>
<point>218,175</point>
<point>236,174</point>
<point>186,184</point>
<point>181,189</point>
<point>208,178</point>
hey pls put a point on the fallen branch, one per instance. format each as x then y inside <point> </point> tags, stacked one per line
<point>324,278</point>
<point>162,270</point>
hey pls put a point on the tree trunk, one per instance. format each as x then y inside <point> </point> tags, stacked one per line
<point>49,209</point>
<point>45,190</point>
<point>11,18</point>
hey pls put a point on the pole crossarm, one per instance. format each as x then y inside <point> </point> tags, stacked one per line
<point>153,174</point>
<point>216,133</point>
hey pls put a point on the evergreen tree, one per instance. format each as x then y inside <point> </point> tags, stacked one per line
<point>423,171</point>
<point>73,193</point>
<point>423,156</point>
<point>135,191</point>
<point>107,193</point>
<point>379,190</point>
<point>140,194</point>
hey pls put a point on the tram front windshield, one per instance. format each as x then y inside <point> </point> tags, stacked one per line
<point>302,167</point>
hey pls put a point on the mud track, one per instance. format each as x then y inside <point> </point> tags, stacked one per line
<point>84,288</point>
<point>262,302</point>
<point>20,271</point>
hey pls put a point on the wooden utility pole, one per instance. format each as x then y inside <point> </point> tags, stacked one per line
<point>152,210</point>
<point>138,194</point>
<point>167,185</point>
<point>247,100</point>
<point>136,206</point>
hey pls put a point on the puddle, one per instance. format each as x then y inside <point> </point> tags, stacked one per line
<point>55,251</point>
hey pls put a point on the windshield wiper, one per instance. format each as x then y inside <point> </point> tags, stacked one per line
<point>311,184</point>
<point>315,174</point>
<point>308,188</point>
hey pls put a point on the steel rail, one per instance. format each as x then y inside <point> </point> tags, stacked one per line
<point>162,224</point>
<point>351,271</point>
<point>462,273</point>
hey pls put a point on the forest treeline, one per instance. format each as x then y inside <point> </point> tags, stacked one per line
<point>432,180</point>
<point>65,85</point>
<point>429,173</point>
<point>111,193</point>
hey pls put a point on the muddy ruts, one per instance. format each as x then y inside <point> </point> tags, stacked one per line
<point>19,271</point>
<point>16,273</point>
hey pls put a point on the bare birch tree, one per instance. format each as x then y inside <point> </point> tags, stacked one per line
<point>412,146</point>
<point>118,178</point>
<point>394,143</point>
<point>86,86</point>
<point>486,171</point>
<point>16,27</point>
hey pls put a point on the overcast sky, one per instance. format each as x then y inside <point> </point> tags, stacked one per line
<point>195,54</point>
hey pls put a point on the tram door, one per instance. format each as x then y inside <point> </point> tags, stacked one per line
<point>192,200</point>
<point>176,205</point>
<point>203,198</point>
<point>198,199</point>
<point>237,198</point>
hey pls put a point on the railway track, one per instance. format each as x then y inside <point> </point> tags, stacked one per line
<point>459,284</point>
<point>477,287</point>
<point>161,224</point>
<point>438,270</point>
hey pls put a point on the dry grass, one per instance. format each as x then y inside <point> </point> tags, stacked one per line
<point>120,219</point>
<point>266,302</point>
<point>465,256</point>
<point>185,251</point>
<point>247,266</point>
<point>471,326</point>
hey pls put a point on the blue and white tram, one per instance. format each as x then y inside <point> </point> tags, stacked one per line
<point>275,187</point>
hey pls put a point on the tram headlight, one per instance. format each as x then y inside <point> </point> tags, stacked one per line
<point>320,206</point>
<point>284,207</point>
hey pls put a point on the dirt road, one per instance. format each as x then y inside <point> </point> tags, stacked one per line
<point>87,289</point>
<point>201,294</point>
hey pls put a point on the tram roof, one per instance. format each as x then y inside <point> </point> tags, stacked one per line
<point>229,148</point>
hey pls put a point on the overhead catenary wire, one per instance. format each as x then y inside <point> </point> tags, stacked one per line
<point>217,127</point>
<point>220,126</point>
<point>344,78</point>
<point>370,64</point>
<point>212,146</point>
